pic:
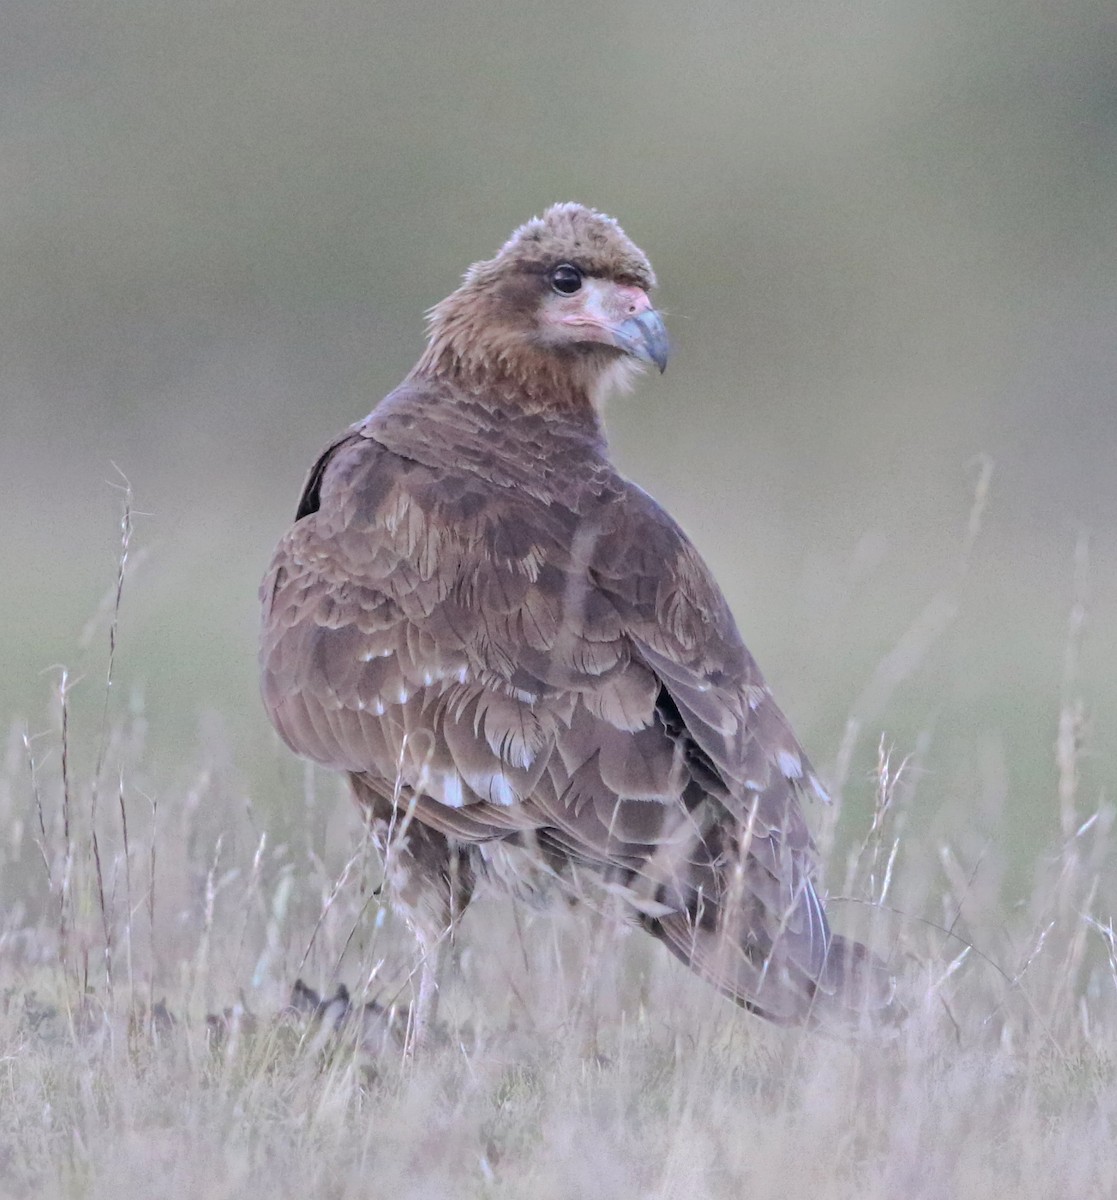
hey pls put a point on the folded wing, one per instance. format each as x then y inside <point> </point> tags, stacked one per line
<point>513,664</point>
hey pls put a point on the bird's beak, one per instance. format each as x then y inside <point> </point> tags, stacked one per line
<point>644,336</point>
<point>616,314</point>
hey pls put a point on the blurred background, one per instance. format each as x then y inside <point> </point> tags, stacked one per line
<point>886,236</point>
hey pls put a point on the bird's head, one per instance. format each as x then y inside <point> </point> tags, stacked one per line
<point>563,305</point>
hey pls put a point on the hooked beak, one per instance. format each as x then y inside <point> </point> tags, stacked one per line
<point>644,336</point>
<point>618,315</point>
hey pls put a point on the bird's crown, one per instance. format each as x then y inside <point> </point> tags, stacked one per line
<point>570,232</point>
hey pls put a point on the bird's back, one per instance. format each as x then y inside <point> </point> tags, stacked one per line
<point>481,621</point>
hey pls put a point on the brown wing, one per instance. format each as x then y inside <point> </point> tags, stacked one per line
<point>570,667</point>
<point>744,911</point>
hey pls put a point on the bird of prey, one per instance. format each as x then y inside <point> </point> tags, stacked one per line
<point>518,657</point>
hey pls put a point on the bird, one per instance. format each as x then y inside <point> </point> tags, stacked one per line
<point>523,665</point>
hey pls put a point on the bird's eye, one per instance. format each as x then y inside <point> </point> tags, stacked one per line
<point>566,279</point>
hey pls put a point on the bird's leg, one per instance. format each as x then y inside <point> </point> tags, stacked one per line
<point>431,882</point>
<point>453,886</point>
<point>424,1008</point>
<point>428,880</point>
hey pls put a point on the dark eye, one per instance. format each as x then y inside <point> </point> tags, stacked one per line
<point>566,279</point>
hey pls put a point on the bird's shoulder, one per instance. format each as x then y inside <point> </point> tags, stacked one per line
<point>438,501</point>
<point>445,539</point>
<point>441,484</point>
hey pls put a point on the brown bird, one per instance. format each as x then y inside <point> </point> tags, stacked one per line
<point>519,658</point>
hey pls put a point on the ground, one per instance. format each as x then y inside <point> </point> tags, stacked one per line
<point>156,1038</point>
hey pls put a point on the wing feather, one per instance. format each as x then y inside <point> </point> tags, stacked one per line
<point>563,662</point>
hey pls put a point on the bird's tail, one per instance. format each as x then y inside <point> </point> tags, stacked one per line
<point>848,990</point>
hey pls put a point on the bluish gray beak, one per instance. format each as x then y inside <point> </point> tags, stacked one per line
<point>644,336</point>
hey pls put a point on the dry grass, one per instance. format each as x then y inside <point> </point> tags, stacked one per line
<point>150,935</point>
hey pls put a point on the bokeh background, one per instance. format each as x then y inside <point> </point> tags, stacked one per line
<point>887,241</point>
